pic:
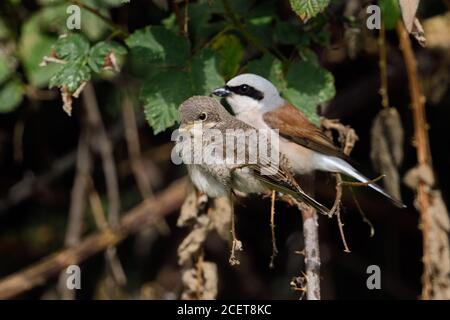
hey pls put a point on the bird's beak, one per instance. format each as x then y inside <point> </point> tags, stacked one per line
<point>222,92</point>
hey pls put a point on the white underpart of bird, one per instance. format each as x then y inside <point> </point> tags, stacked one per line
<point>252,97</point>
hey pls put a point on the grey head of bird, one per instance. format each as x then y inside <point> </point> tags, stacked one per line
<point>249,91</point>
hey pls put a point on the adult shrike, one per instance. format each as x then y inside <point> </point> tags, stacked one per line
<point>256,101</point>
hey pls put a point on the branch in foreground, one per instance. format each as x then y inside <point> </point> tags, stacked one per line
<point>434,221</point>
<point>142,216</point>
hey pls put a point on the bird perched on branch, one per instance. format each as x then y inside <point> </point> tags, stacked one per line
<point>224,167</point>
<point>257,102</point>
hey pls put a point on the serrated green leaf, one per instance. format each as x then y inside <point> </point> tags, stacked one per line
<point>308,86</point>
<point>71,47</point>
<point>390,13</point>
<point>162,94</point>
<point>100,51</point>
<point>230,52</point>
<point>71,75</point>
<point>11,95</point>
<point>156,45</point>
<point>204,73</point>
<point>307,9</point>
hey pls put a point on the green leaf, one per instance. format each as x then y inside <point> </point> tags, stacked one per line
<point>390,13</point>
<point>100,51</point>
<point>230,53</point>
<point>11,95</point>
<point>199,27</point>
<point>205,76</point>
<point>270,68</point>
<point>5,70</point>
<point>307,9</point>
<point>308,55</point>
<point>71,75</point>
<point>33,46</point>
<point>162,95</point>
<point>71,47</point>
<point>286,33</point>
<point>155,45</point>
<point>54,16</point>
<point>308,86</point>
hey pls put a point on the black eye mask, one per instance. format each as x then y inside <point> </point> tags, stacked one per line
<point>246,90</point>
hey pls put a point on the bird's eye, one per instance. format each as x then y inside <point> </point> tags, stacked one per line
<point>244,88</point>
<point>202,116</point>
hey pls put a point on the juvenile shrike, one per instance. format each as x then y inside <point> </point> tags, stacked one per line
<point>219,178</point>
<point>257,102</point>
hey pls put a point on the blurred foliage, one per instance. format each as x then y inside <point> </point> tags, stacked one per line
<point>171,59</point>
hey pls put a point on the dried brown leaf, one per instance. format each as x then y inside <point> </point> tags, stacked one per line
<point>387,148</point>
<point>438,31</point>
<point>221,216</point>
<point>191,245</point>
<point>421,173</point>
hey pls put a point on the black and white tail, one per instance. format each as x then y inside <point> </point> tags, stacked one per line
<point>341,166</point>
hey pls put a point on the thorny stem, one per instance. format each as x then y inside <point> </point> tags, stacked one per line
<point>236,245</point>
<point>272,229</point>
<point>337,210</point>
<point>423,151</point>
<point>361,212</point>
<point>362,184</point>
<point>383,67</point>
<point>312,253</point>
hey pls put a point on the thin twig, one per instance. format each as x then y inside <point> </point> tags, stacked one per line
<point>134,148</point>
<point>361,212</point>
<point>383,67</point>
<point>77,206</point>
<point>134,151</point>
<point>341,231</point>
<point>101,142</point>
<point>272,229</point>
<point>236,245</point>
<point>362,184</point>
<point>138,218</point>
<point>336,210</point>
<point>422,148</point>
<point>102,224</point>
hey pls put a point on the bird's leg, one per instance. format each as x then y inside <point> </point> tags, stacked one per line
<point>236,245</point>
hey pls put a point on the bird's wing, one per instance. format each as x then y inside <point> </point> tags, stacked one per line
<point>275,178</point>
<point>294,126</point>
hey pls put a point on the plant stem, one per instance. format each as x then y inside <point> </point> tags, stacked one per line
<point>423,151</point>
<point>116,29</point>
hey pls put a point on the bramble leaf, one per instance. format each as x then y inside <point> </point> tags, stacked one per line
<point>307,9</point>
